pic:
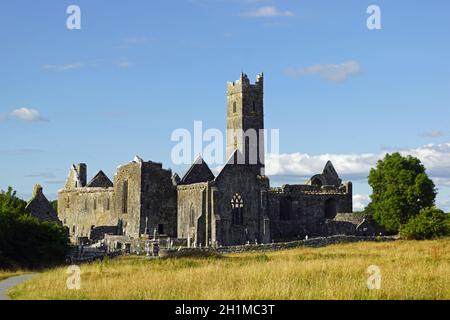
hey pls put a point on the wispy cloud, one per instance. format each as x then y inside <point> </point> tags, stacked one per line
<point>64,67</point>
<point>433,134</point>
<point>332,72</point>
<point>20,152</point>
<point>124,64</point>
<point>46,175</point>
<point>267,12</point>
<point>137,40</point>
<point>23,114</point>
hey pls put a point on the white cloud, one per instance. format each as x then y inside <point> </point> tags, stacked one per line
<point>356,167</point>
<point>64,67</point>
<point>433,134</point>
<point>124,64</point>
<point>360,202</point>
<point>267,12</point>
<point>435,157</point>
<point>332,72</point>
<point>23,114</point>
<point>305,165</point>
<point>137,40</point>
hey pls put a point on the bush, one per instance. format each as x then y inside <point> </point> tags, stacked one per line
<point>26,242</point>
<point>429,223</point>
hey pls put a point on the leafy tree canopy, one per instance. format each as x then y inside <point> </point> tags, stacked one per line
<point>401,189</point>
<point>10,203</point>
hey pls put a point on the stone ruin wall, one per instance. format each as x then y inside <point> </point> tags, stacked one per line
<point>83,209</point>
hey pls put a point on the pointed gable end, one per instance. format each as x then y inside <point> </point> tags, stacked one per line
<point>100,181</point>
<point>330,175</point>
<point>198,172</point>
<point>329,170</point>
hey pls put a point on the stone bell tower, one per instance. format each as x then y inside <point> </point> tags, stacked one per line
<point>245,119</point>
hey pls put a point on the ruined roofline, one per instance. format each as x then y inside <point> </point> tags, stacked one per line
<point>244,81</point>
<point>194,186</point>
<point>311,189</point>
<point>141,162</point>
<point>86,190</point>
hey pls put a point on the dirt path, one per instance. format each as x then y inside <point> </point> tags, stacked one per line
<point>9,283</point>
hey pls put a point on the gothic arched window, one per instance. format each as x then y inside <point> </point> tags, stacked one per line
<point>125,197</point>
<point>285,209</point>
<point>192,217</point>
<point>237,210</point>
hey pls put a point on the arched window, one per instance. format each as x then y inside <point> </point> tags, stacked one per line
<point>125,197</point>
<point>234,107</point>
<point>192,217</point>
<point>237,210</point>
<point>330,209</point>
<point>316,182</point>
<point>285,208</point>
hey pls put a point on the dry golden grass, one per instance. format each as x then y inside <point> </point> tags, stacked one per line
<point>410,270</point>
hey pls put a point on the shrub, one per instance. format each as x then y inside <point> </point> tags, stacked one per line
<point>26,242</point>
<point>429,223</point>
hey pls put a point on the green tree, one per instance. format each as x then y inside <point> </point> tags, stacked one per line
<point>55,205</point>
<point>429,223</point>
<point>401,189</point>
<point>10,203</point>
<point>26,242</point>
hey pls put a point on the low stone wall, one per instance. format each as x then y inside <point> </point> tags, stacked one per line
<point>314,242</point>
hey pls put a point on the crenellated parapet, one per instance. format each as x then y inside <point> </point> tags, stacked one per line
<point>243,84</point>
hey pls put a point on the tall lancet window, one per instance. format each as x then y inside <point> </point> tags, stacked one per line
<point>125,197</point>
<point>237,210</point>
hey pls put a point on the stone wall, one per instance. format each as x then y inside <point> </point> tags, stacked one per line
<point>299,210</point>
<point>143,196</point>
<point>243,182</point>
<point>127,197</point>
<point>192,211</point>
<point>314,242</point>
<point>83,209</point>
<point>158,200</point>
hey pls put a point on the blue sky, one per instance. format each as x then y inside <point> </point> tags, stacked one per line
<point>138,70</point>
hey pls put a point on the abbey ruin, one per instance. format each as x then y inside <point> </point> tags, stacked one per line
<point>235,207</point>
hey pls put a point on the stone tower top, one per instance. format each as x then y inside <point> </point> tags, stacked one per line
<point>245,118</point>
<point>244,83</point>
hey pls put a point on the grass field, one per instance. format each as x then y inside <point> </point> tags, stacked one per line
<point>409,270</point>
